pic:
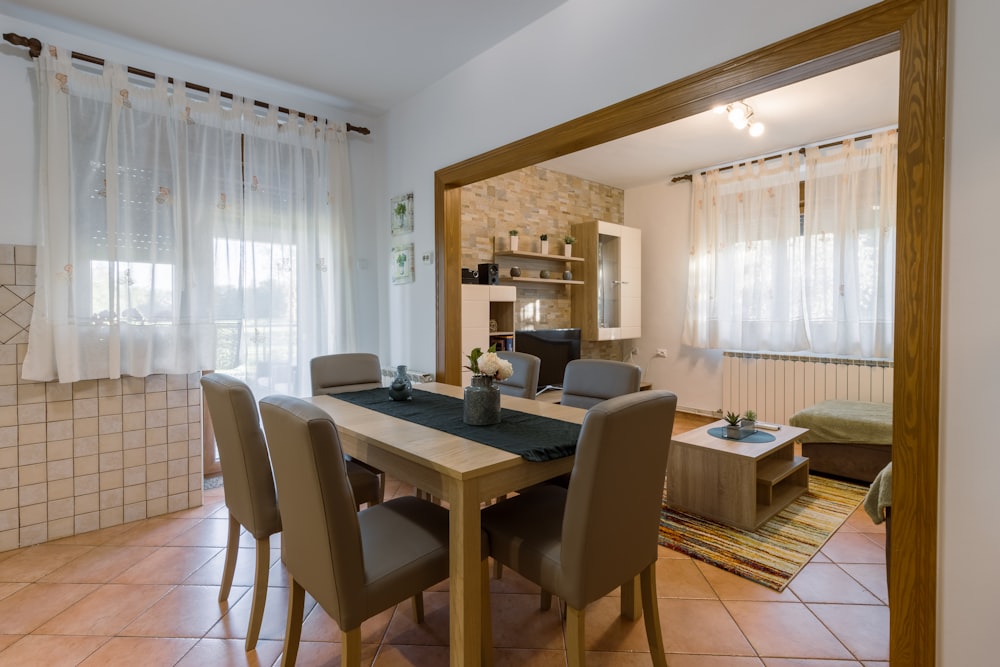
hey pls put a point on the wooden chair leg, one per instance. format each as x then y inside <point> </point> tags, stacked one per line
<point>497,569</point>
<point>486,654</point>
<point>546,601</point>
<point>654,634</point>
<point>574,637</point>
<point>418,607</point>
<point>381,488</point>
<point>232,551</point>
<point>293,626</point>
<point>631,606</point>
<point>259,592</point>
<point>350,648</point>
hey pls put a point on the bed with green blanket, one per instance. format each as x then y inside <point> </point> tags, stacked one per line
<point>851,439</point>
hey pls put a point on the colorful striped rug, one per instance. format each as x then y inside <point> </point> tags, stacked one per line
<point>774,553</point>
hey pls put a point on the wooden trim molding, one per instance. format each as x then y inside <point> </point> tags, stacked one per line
<point>918,29</point>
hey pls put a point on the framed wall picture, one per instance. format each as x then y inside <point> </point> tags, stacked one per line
<point>402,264</point>
<point>402,214</point>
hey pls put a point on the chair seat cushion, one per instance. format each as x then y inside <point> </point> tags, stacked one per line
<point>405,544</point>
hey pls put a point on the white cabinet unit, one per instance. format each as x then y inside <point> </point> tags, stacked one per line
<point>481,305</point>
<point>609,304</point>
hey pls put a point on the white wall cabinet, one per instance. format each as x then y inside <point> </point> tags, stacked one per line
<point>482,304</point>
<point>608,306</point>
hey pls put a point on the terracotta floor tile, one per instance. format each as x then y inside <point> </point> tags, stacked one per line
<point>826,582</point>
<point>682,579</point>
<point>785,630</point>
<point>806,662</point>
<point>411,656</point>
<point>528,657</point>
<point>728,586</point>
<point>701,626</point>
<point>230,653</point>
<point>206,533</point>
<point>155,532</point>
<point>105,611</point>
<point>683,660</point>
<point>148,652</point>
<point>864,629</point>
<point>234,624</point>
<point>33,563</point>
<point>167,565</point>
<point>186,611</point>
<point>99,565</point>
<point>7,640</point>
<point>31,606</point>
<point>403,629</point>
<point>512,582</point>
<point>853,548</point>
<point>871,576</point>
<point>606,630</point>
<point>519,623</point>
<point>210,574</point>
<point>319,627</point>
<point>10,588</point>
<point>96,537</point>
<point>49,651</point>
<point>328,654</point>
<point>618,659</point>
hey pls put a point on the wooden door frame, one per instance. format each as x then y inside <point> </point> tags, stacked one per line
<point>918,29</point>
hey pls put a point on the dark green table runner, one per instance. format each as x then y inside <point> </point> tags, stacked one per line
<point>532,437</point>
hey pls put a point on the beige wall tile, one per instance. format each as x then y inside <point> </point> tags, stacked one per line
<point>156,401</point>
<point>59,410</point>
<point>110,461</point>
<point>36,533</point>
<point>30,413</point>
<point>60,528</point>
<point>59,469</point>
<point>133,385</point>
<point>32,514</point>
<point>8,457</point>
<point>60,488</point>
<point>56,450</point>
<point>135,494</point>
<point>9,539</point>
<point>134,511</point>
<point>84,485</point>
<point>32,494</point>
<point>87,446</point>
<point>8,478</point>
<point>134,421</point>
<point>31,393</point>
<point>85,389</point>
<point>33,473</point>
<point>31,454</point>
<point>9,520</point>
<point>177,398</point>
<point>87,503</point>
<point>109,387</point>
<point>134,439</point>
<point>84,523</point>
<point>134,475</point>
<point>8,375</point>
<point>31,433</point>
<point>8,499</point>
<point>155,472</point>
<point>58,391</point>
<point>157,489</point>
<point>8,436</point>
<point>109,405</point>
<point>177,502</point>
<point>60,509</point>
<point>112,480</point>
<point>110,442</point>
<point>59,430</point>
<point>156,506</point>
<point>112,497</point>
<point>8,395</point>
<point>156,383</point>
<point>177,382</point>
<point>156,436</point>
<point>177,433</point>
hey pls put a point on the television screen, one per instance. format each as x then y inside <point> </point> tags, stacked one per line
<point>555,347</point>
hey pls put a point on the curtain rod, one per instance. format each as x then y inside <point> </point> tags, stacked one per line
<point>34,47</point>
<point>802,151</point>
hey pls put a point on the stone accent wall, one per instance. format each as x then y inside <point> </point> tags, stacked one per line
<point>537,201</point>
<point>75,457</point>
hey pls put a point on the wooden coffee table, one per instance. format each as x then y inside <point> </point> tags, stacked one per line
<point>740,483</point>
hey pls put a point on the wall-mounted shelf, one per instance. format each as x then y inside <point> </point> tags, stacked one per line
<point>537,255</point>
<point>558,281</point>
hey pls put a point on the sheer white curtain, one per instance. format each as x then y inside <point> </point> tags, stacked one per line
<point>744,275</point>
<point>850,242</point>
<point>289,260</point>
<point>153,256</point>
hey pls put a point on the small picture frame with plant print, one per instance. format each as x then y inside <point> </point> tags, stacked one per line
<point>402,264</point>
<point>402,214</point>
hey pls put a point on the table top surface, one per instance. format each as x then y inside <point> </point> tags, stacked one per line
<point>450,455</point>
<point>700,437</point>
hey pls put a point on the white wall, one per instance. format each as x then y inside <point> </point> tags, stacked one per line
<point>18,166</point>
<point>662,212</point>
<point>587,54</point>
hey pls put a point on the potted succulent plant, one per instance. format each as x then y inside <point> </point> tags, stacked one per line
<point>568,248</point>
<point>733,425</point>
<point>749,421</point>
<point>513,240</point>
<point>545,243</point>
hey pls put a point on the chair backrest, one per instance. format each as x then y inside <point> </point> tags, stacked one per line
<point>352,371</point>
<point>247,480</point>
<point>587,382</point>
<point>321,538</point>
<point>615,493</point>
<point>524,381</point>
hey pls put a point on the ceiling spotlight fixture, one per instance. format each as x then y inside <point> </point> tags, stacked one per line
<point>740,114</point>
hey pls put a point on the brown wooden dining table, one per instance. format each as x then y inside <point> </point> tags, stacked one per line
<point>462,472</point>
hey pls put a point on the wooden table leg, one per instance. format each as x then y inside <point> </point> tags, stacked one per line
<point>465,585</point>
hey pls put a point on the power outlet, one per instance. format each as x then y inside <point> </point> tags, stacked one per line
<point>661,352</point>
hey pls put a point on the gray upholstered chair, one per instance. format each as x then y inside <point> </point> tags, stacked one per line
<point>581,543</point>
<point>350,371</point>
<point>248,484</point>
<point>587,382</point>
<point>354,564</point>
<point>524,381</point>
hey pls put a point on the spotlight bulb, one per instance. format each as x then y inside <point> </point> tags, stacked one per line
<point>756,129</point>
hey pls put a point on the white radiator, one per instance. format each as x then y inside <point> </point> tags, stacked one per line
<point>777,386</point>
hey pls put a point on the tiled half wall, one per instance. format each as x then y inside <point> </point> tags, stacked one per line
<point>80,456</point>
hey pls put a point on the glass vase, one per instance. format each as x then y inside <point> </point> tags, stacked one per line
<point>482,402</point>
<point>401,388</point>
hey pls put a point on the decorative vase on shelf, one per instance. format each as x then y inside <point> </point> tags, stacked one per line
<point>513,244</point>
<point>401,388</point>
<point>482,402</point>
<point>568,250</point>
<point>545,247</point>
<point>567,275</point>
<point>515,272</point>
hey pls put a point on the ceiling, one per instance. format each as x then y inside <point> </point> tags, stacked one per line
<point>842,103</point>
<point>367,54</point>
<point>409,45</point>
